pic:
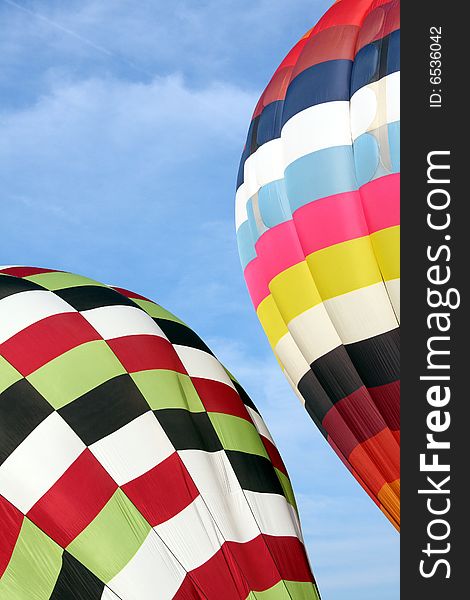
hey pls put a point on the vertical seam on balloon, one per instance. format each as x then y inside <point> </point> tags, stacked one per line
<point>326,308</point>
<point>191,577</point>
<point>384,45</point>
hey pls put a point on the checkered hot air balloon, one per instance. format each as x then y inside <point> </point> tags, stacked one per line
<point>132,464</point>
<point>317,214</point>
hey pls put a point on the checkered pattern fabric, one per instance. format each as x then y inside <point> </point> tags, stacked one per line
<point>133,466</point>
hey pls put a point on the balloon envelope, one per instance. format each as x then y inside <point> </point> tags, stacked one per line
<point>132,464</point>
<point>317,213</point>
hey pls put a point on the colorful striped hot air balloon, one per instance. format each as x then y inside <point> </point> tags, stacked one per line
<point>132,464</point>
<point>317,213</point>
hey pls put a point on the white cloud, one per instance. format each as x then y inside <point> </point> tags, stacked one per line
<point>124,116</point>
<point>101,143</point>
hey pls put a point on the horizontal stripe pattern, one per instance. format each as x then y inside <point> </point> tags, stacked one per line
<point>349,121</point>
<point>325,82</point>
<point>334,37</point>
<point>318,229</point>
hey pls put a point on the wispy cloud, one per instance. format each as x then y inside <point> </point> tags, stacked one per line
<point>51,23</point>
<point>109,152</point>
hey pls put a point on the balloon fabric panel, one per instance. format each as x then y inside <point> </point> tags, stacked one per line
<point>131,462</point>
<point>318,230</point>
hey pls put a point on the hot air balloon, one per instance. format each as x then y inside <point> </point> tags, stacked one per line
<point>132,464</point>
<point>317,216</point>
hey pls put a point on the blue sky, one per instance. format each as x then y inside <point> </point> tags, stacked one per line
<point>121,128</point>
